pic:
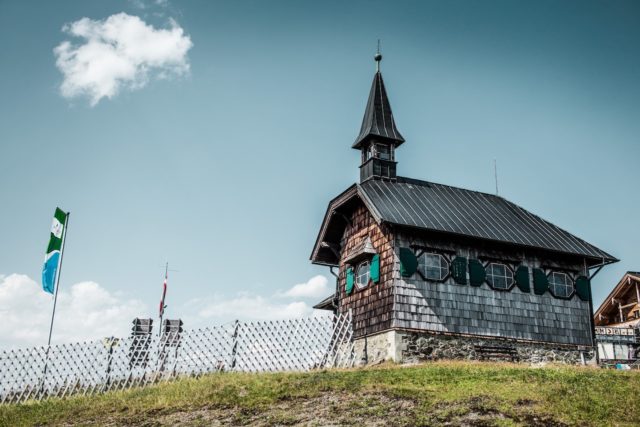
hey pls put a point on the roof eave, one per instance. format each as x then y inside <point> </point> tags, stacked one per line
<point>604,260</point>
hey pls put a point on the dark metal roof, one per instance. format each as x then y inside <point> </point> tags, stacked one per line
<point>326,304</point>
<point>438,207</point>
<point>378,118</point>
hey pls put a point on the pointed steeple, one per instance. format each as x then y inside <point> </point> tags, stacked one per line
<point>378,119</point>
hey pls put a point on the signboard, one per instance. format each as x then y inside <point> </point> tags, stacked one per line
<point>604,333</point>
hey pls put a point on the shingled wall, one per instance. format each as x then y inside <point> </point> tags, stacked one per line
<point>464,309</point>
<point>372,306</point>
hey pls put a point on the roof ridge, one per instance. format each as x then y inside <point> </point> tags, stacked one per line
<point>422,182</point>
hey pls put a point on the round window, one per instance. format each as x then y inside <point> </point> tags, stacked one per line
<point>499,276</point>
<point>433,266</point>
<point>560,285</point>
<point>362,275</point>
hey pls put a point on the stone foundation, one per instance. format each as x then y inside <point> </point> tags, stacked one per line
<point>410,347</point>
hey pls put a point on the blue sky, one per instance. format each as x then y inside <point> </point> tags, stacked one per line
<point>225,170</point>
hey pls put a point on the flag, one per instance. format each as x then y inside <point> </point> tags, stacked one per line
<point>164,293</point>
<point>54,251</point>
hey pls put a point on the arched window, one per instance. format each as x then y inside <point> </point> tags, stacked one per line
<point>433,266</point>
<point>363,273</point>
<point>499,276</point>
<point>560,285</point>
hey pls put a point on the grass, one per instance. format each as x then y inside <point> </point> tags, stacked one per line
<point>441,393</point>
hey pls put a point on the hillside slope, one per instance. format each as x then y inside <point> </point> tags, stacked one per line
<point>443,393</point>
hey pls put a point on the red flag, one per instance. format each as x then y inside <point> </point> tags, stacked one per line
<point>164,293</point>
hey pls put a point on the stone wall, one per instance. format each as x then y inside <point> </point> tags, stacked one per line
<point>411,347</point>
<point>417,346</point>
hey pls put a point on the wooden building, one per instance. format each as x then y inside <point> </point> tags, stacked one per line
<point>429,270</point>
<point>617,322</point>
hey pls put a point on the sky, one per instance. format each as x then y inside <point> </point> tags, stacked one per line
<point>213,134</point>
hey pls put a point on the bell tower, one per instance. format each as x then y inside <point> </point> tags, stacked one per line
<point>378,137</point>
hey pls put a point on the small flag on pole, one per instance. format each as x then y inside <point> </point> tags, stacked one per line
<point>164,294</point>
<point>54,251</point>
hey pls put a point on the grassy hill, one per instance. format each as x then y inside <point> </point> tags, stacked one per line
<point>442,393</point>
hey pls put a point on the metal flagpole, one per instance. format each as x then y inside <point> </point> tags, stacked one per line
<point>59,271</point>
<point>55,300</point>
<point>164,290</point>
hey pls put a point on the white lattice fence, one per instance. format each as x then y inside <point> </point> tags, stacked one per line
<point>115,364</point>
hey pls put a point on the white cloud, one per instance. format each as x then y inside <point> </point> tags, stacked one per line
<point>316,287</point>
<point>85,311</point>
<point>120,52</point>
<point>251,307</point>
<point>247,307</point>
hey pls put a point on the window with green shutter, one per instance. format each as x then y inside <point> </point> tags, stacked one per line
<point>583,288</point>
<point>522,278</point>
<point>477,273</point>
<point>375,268</point>
<point>349,285</point>
<point>540,282</point>
<point>408,262</point>
<point>459,270</point>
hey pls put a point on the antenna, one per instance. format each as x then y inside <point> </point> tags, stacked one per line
<point>495,173</point>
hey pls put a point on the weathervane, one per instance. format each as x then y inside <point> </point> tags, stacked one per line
<point>378,57</point>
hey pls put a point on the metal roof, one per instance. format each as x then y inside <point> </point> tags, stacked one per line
<point>378,118</point>
<point>437,207</point>
<point>326,303</point>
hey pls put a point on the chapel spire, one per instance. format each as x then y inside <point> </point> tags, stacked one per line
<point>379,135</point>
<point>378,118</point>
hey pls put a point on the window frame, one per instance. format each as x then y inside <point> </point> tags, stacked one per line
<point>509,273</point>
<point>570,283</point>
<point>357,283</point>
<point>422,267</point>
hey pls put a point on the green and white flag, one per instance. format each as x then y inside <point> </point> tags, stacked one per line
<point>54,251</point>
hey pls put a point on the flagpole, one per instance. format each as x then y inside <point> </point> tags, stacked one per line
<point>166,273</point>
<point>55,300</point>
<point>58,272</point>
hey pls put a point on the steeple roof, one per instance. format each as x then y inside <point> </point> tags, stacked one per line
<point>378,118</point>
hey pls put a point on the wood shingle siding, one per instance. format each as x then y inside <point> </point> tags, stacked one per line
<point>479,310</point>
<point>371,306</point>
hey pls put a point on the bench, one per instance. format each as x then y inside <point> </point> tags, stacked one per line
<point>496,352</point>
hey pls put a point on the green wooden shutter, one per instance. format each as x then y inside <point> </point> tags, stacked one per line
<point>349,285</point>
<point>459,270</point>
<point>477,273</point>
<point>583,288</point>
<point>408,262</point>
<point>522,278</point>
<point>540,282</point>
<point>375,268</point>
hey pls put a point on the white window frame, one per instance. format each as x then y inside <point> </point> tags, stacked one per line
<point>554,285</point>
<point>492,275</point>
<point>424,267</point>
<point>362,279</point>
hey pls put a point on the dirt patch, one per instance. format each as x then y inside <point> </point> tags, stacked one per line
<point>328,409</point>
<point>374,409</point>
